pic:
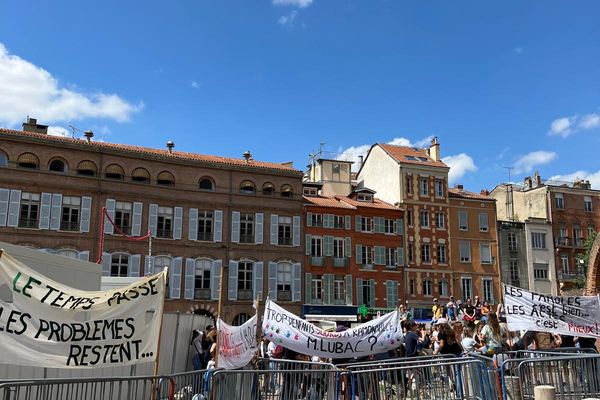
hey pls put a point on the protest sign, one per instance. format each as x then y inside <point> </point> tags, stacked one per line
<point>286,329</point>
<point>566,315</point>
<point>44,323</point>
<point>237,344</point>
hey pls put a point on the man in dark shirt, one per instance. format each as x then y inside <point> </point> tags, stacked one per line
<point>412,339</point>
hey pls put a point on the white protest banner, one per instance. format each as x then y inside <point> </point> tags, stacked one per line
<point>237,344</point>
<point>44,323</point>
<point>286,329</point>
<point>566,315</point>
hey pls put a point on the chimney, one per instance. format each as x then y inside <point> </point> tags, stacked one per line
<point>458,186</point>
<point>31,125</point>
<point>484,192</point>
<point>360,161</point>
<point>434,149</point>
<point>528,183</point>
<point>247,156</point>
<point>537,178</point>
<point>170,146</point>
<point>88,135</point>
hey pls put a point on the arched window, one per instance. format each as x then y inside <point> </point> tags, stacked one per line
<point>28,160</point>
<point>68,253</point>
<point>3,159</point>
<point>247,187</point>
<point>202,279</point>
<point>268,189</point>
<point>165,178</point>
<point>206,184</point>
<point>240,319</point>
<point>58,166</point>
<point>87,168</point>
<point>287,191</point>
<point>119,264</point>
<point>140,175</point>
<point>114,171</point>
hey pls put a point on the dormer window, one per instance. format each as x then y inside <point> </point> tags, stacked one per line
<point>310,191</point>
<point>368,198</point>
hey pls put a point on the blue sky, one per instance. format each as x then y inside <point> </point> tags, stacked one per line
<point>509,83</point>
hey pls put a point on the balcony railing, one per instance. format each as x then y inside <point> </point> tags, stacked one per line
<point>340,262</point>
<point>202,294</point>
<point>245,294</point>
<point>125,229</point>
<point>284,241</point>
<point>164,233</point>
<point>317,224</point>
<point>561,241</point>
<point>247,239</point>
<point>316,261</point>
<point>69,226</point>
<point>205,236</point>
<point>391,267</point>
<point>579,242</point>
<point>28,223</point>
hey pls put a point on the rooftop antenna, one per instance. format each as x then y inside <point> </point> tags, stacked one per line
<point>509,169</point>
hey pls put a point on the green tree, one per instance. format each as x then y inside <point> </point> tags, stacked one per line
<point>583,260</point>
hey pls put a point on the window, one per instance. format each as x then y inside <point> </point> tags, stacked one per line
<point>564,263</point>
<point>247,187</point>
<point>540,271</point>
<point>439,189</point>
<point>119,264</point>
<point>577,239</point>
<point>463,220</point>
<point>339,291</point>
<point>485,253</point>
<point>339,245</point>
<point>559,200</point>
<point>441,253</point>
<point>284,281</point>
<point>424,186</point>
<point>245,275</point>
<point>165,178</point>
<point>483,222</point>
<point>488,290</point>
<point>467,288</point>
<point>409,217</point>
<point>411,286</point>
<point>335,169</point>
<point>339,222</point>
<point>366,224</point>
<point>367,293</point>
<point>440,220</point>
<point>308,191</point>
<point>409,184</point>
<point>443,288</point>
<point>70,213</point>
<point>367,255</point>
<point>3,159</point>
<point>411,252</point>
<point>114,171</point>
<point>427,287</point>
<point>164,225</point>
<point>316,246</point>
<point>206,184</point>
<point>287,191</point>
<point>424,219</point>
<point>426,253</point>
<point>123,217</point>
<point>465,251</point>
<point>514,272</point>
<point>390,257</point>
<point>538,240</point>
<point>246,228</point>
<point>316,220</point>
<point>29,212</point>
<point>140,175</point>
<point>389,226</point>
<point>86,168</point>
<point>68,253</point>
<point>587,203</point>
<point>512,241</point>
<point>285,231</point>
<point>202,279</point>
<point>316,290</point>
<point>240,319</point>
<point>57,166</point>
<point>591,230</point>
<point>268,189</point>
<point>28,160</point>
<point>205,226</point>
<point>364,197</point>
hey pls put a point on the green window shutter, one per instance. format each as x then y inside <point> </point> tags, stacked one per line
<point>357,223</point>
<point>328,246</point>
<point>388,292</point>
<point>400,256</point>
<point>348,222</point>
<point>399,226</point>
<point>327,221</point>
<point>358,254</point>
<point>349,300</point>
<point>308,245</point>
<point>349,247</point>
<point>359,292</point>
<point>328,284</point>
<point>378,224</point>
<point>308,219</point>
<point>379,255</point>
<point>307,287</point>
<point>372,292</point>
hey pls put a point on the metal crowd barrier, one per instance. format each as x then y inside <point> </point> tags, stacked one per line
<point>393,361</point>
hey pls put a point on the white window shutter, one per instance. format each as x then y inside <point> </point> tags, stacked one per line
<point>359,292</point>
<point>349,300</point>
<point>193,224</point>
<point>307,288</point>
<point>110,211</point>
<point>328,286</point>
<point>106,261</point>
<point>328,246</point>
<point>215,279</point>
<point>148,268</point>
<point>134,265</point>
<point>178,223</point>
<point>400,256</point>
<point>273,281</point>
<point>357,223</point>
<point>258,228</point>
<point>55,211</point>
<point>46,202</point>
<point>235,227</point>
<point>308,245</point>
<point>84,255</point>
<point>389,293</point>
<point>218,236</point>
<point>136,223</point>
<point>175,282</point>
<point>14,208</point>
<point>233,280</point>
<point>372,292</point>
<point>349,247</point>
<point>296,231</point>
<point>274,232</point>
<point>347,222</point>
<point>358,254</point>
<point>296,282</point>
<point>258,280</point>
<point>4,200</point>
<point>309,219</point>
<point>190,278</point>
<point>152,219</point>
<point>399,226</point>
<point>86,211</point>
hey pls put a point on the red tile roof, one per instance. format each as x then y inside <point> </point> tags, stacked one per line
<point>375,204</point>
<point>325,201</point>
<point>400,154</point>
<point>464,194</point>
<point>153,152</point>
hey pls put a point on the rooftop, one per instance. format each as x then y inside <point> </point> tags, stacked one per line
<point>411,155</point>
<point>345,202</point>
<point>465,194</point>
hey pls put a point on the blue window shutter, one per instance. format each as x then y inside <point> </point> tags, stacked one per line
<point>14,208</point>
<point>136,223</point>
<point>274,231</point>
<point>349,247</point>
<point>257,270</point>
<point>258,228</point>
<point>399,226</point>
<point>86,211</point>
<point>175,282</point>
<point>400,256</point>
<point>178,223</point>
<point>215,279</point>
<point>296,282</point>
<point>358,254</point>
<point>273,281</point>
<point>296,231</point>
<point>152,218</point>
<point>110,210</point>
<point>328,246</point>
<point>218,237</point>
<point>134,265</point>
<point>233,280</point>
<point>106,261</point>
<point>308,244</point>
<point>193,224</point>
<point>4,200</point>
<point>235,227</point>
<point>190,278</point>
<point>357,223</point>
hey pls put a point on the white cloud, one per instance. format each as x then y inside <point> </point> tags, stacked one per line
<point>59,131</point>
<point>288,19</point>
<point>459,165</point>
<point>568,125</point>
<point>502,153</point>
<point>593,177</point>
<point>195,85</point>
<point>527,162</point>
<point>26,89</point>
<point>562,126</point>
<point>295,3</point>
<point>589,121</point>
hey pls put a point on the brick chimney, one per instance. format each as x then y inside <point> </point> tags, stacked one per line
<point>484,192</point>
<point>537,178</point>
<point>31,125</point>
<point>434,149</point>
<point>528,183</point>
